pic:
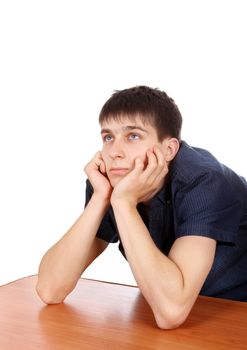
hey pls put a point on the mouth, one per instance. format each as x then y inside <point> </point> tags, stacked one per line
<point>118,171</point>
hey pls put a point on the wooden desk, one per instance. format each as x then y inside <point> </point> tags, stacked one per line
<point>100,315</point>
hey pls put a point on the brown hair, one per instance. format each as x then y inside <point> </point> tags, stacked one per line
<point>151,105</point>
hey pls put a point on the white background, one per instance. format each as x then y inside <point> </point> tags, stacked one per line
<point>60,61</point>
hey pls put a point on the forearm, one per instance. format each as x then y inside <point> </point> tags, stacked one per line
<point>63,264</point>
<point>158,277</point>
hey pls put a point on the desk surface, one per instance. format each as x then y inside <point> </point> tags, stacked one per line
<point>100,315</point>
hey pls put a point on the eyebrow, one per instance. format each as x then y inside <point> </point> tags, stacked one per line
<point>125,128</point>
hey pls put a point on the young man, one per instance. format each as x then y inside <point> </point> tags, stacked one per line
<point>180,216</point>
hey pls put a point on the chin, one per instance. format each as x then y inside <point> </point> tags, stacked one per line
<point>114,181</point>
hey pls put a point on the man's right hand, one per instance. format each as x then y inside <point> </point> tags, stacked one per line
<point>96,173</point>
<point>63,264</point>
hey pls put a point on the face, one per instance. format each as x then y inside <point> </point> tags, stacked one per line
<point>123,141</point>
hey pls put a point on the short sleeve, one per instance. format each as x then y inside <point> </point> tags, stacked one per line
<point>107,229</point>
<point>207,206</point>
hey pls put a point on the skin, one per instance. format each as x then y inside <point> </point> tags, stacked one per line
<point>129,146</point>
<point>131,168</point>
<point>169,284</point>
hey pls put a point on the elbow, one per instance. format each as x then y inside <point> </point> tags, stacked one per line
<point>169,323</point>
<point>48,296</point>
<point>170,319</point>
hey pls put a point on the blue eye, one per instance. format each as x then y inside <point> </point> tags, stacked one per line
<point>107,138</point>
<point>133,137</point>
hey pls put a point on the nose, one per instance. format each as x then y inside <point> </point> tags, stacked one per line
<point>117,150</point>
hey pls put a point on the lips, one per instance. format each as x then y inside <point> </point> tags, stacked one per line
<point>118,171</point>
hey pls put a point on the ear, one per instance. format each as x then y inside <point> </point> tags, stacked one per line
<point>170,147</point>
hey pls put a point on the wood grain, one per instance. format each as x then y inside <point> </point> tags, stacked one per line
<point>100,315</point>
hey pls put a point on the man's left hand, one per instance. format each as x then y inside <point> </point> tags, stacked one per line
<point>142,182</point>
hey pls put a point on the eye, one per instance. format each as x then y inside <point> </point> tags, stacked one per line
<point>107,138</point>
<point>133,137</point>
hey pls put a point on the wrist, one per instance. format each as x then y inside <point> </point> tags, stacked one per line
<point>100,199</point>
<point>122,203</point>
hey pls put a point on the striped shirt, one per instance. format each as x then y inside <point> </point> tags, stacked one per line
<point>205,198</point>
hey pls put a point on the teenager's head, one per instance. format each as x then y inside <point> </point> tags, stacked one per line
<point>133,121</point>
<point>153,106</point>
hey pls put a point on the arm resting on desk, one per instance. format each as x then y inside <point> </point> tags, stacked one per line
<point>63,264</point>
<point>171,283</point>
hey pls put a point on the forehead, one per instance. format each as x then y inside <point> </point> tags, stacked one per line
<point>125,121</point>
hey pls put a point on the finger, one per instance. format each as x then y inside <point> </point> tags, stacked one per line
<point>152,164</point>
<point>95,163</point>
<point>102,167</point>
<point>138,165</point>
<point>161,176</point>
<point>100,162</point>
<point>156,168</point>
<point>97,157</point>
<point>159,155</point>
<point>162,164</point>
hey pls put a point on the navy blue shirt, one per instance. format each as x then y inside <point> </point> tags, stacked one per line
<point>205,198</point>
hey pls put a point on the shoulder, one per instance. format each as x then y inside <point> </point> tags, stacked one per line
<point>191,162</point>
<point>203,187</point>
<point>195,166</point>
<point>208,197</point>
